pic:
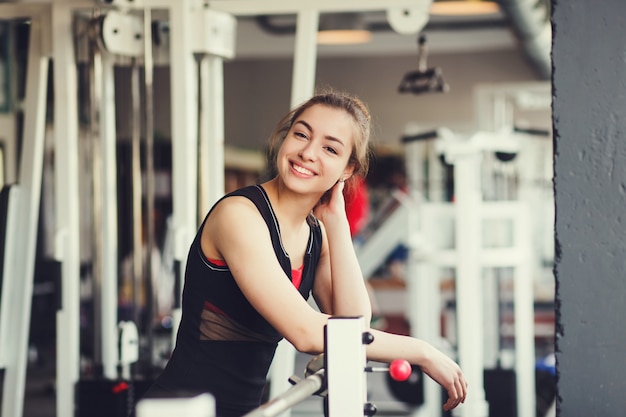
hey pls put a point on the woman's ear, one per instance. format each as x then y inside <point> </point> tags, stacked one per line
<point>347,173</point>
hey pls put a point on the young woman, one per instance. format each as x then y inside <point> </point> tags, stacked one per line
<point>263,249</point>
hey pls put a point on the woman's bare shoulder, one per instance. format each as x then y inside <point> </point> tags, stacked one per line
<point>234,212</point>
<point>235,202</point>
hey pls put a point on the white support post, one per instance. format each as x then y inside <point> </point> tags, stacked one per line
<point>214,41</point>
<point>211,135</point>
<point>345,366</point>
<point>305,56</point>
<point>109,265</point>
<point>424,316</point>
<point>24,216</point>
<point>423,287</point>
<point>524,317</point>
<point>424,307</point>
<point>67,250</point>
<point>469,285</point>
<point>302,88</point>
<point>184,138</point>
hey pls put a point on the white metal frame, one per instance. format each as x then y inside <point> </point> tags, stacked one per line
<point>109,244</point>
<point>22,220</point>
<point>496,105</point>
<point>343,371</point>
<point>67,236</point>
<point>393,232</point>
<point>469,211</point>
<point>202,405</point>
<point>428,220</point>
<point>345,366</point>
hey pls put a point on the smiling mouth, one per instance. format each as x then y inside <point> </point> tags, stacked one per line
<point>302,170</point>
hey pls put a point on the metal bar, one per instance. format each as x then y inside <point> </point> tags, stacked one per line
<point>109,236</point>
<point>305,57</point>
<point>150,239</point>
<point>423,278</point>
<point>469,286</point>
<point>524,318</point>
<point>24,220</point>
<point>95,145</point>
<point>67,205</point>
<point>293,396</point>
<point>236,7</point>
<point>211,132</point>
<point>255,7</point>
<point>184,88</point>
<point>138,271</point>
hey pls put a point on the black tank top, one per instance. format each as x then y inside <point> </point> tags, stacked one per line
<point>223,345</point>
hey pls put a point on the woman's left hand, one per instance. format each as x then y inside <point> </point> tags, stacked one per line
<point>335,206</point>
<point>448,374</point>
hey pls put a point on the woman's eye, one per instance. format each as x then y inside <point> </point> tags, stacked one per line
<point>301,135</point>
<point>331,150</point>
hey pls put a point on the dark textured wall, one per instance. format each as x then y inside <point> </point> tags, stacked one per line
<point>589,116</point>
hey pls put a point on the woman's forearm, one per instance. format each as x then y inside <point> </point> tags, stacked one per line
<point>350,297</point>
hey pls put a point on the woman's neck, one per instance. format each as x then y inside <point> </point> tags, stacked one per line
<point>290,207</point>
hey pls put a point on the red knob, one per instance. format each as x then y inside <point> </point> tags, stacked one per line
<point>400,370</point>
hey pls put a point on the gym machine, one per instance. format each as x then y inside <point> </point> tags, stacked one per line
<point>54,21</point>
<point>497,221</point>
<point>52,37</point>
<point>20,219</point>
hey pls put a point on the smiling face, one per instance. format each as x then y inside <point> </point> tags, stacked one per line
<point>316,151</point>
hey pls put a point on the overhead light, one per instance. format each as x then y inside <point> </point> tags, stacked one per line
<point>463,7</point>
<point>343,37</point>
<point>424,79</point>
<point>342,29</point>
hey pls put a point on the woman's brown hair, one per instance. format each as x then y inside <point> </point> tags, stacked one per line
<point>359,158</point>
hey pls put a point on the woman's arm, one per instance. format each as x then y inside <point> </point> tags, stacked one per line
<point>386,347</point>
<point>340,290</point>
<point>236,232</point>
<point>339,284</point>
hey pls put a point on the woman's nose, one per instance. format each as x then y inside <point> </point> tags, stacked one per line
<point>308,151</point>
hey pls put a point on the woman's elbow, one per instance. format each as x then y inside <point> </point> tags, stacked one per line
<point>307,341</point>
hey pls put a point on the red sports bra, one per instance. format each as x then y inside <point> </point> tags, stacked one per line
<point>296,274</point>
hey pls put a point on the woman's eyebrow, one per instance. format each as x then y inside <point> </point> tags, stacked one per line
<point>334,139</point>
<point>308,126</point>
<point>328,137</point>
